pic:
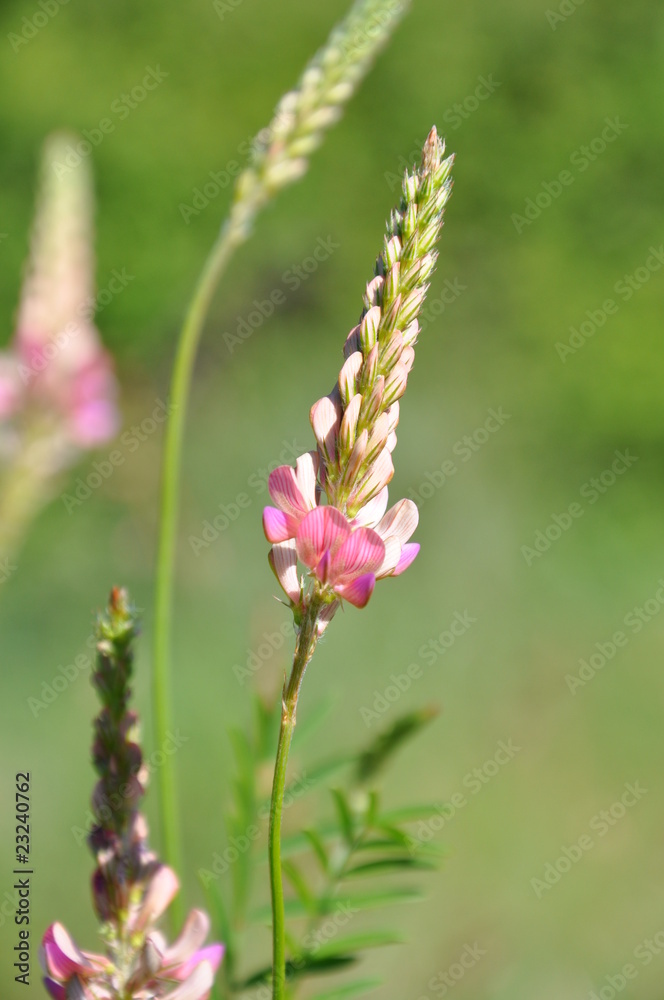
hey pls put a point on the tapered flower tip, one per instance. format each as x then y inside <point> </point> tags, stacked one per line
<point>325,417</point>
<point>62,958</point>
<point>358,591</point>
<point>161,889</point>
<point>408,554</point>
<point>192,938</point>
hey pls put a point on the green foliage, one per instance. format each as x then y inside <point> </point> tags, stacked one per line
<point>353,840</point>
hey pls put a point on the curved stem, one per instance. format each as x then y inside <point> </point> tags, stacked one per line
<point>306,643</point>
<point>172,463</point>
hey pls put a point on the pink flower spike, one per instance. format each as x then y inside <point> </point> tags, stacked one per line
<point>359,591</point>
<point>323,528</point>
<point>408,554</point>
<point>283,561</point>
<point>158,895</point>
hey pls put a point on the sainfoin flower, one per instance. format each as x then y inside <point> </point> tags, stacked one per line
<point>56,376</point>
<point>352,540</point>
<point>131,888</point>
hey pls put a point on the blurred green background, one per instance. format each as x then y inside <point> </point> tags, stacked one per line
<point>520,91</point>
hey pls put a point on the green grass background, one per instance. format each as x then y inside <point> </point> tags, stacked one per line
<point>493,346</point>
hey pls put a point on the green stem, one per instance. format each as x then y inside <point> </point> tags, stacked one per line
<point>172,464</point>
<point>306,643</point>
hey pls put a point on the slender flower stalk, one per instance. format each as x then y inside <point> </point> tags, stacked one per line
<point>351,541</point>
<point>131,888</point>
<point>57,389</point>
<point>280,157</point>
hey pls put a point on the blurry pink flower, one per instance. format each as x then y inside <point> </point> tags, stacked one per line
<point>183,971</point>
<point>63,370</point>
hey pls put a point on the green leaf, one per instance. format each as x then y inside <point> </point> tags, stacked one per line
<point>358,942</point>
<point>345,815</point>
<point>410,814</point>
<point>303,965</point>
<point>395,864</point>
<point>361,901</point>
<point>374,758</point>
<point>318,847</point>
<point>355,989</point>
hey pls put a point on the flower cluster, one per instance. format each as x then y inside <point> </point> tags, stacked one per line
<point>353,540</point>
<point>131,888</point>
<point>56,381</point>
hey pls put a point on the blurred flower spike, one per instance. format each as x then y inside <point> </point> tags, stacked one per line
<point>56,374</point>
<point>131,888</point>
<point>354,540</point>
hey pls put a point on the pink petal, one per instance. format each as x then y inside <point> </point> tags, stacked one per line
<point>362,552</point>
<point>325,417</point>
<point>323,528</point>
<point>63,957</point>
<point>400,520</point>
<point>392,556</point>
<point>94,422</point>
<point>285,491</point>
<point>348,376</point>
<point>305,474</point>
<point>56,990</point>
<point>358,591</point>
<point>160,891</point>
<point>408,554</point>
<point>283,560</point>
<point>191,938</point>
<point>379,476</point>
<point>278,527</point>
<point>196,986</point>
<point>372,511</point>
<point>212,953</point>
